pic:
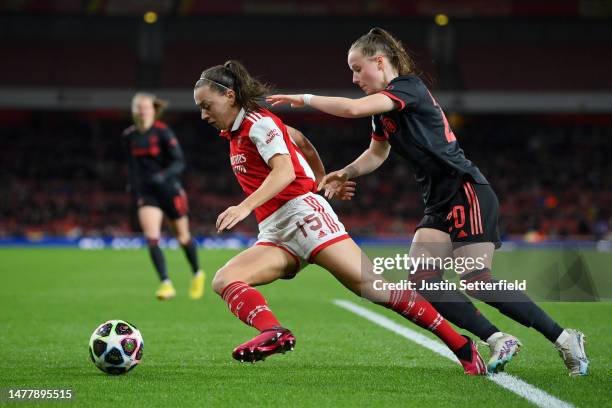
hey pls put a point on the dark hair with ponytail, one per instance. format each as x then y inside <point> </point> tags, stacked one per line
<point>233,75</point>
<point>380,41</point>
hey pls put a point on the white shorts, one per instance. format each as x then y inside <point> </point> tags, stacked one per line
<point>302,227</point>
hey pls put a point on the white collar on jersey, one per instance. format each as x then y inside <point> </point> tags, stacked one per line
<point>238,120</point>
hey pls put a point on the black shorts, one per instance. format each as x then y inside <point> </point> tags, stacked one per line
<point>170,198</point>
<point>470,216</point>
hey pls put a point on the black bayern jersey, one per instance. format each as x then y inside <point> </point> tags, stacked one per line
<point>155,157</point>
<point>419,132</point>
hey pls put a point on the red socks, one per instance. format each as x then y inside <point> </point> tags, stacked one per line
<point>249,306</point>
<point>414,307</point>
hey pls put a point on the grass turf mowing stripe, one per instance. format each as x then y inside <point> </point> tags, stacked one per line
<point>533,394</point>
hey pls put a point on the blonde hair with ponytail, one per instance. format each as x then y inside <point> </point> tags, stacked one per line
<point>159,105</point>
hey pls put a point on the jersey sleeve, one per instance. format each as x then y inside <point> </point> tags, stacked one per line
<point>268,138</point>
<point>175,153</point>
<point>404,92</point>
<point>378,132</point>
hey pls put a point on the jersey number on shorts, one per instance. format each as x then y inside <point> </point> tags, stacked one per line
<point>458,213</point>
<point>180,203</point>
<point>309,219</point>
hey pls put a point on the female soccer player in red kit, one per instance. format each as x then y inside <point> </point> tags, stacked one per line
<point>461,209</point>
<point>296,225</point>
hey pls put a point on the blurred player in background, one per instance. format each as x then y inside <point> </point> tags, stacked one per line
<point>461,208</point>
<point>155,162</point>
<point>296,226</point>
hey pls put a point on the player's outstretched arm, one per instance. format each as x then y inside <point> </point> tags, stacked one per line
<point>337,106</point>
<point>281,175</point>
<point>177,158</point>
<point>370,159</point>
<point>367,162</point>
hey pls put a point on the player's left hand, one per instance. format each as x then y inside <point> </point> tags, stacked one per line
<point>335,183</point>
<point>341,191</point>
<point>230,217</point>
<point>347,191</point>
<point>296,101</point>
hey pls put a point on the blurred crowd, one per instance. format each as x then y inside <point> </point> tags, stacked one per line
<point>64,174</point>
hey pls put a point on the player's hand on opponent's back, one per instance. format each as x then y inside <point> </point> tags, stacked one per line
<point>231,216</point>
<point>336,184</point>
<point>296,101</point>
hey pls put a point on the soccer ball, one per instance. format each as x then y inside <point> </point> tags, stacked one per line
<point>115,347</point>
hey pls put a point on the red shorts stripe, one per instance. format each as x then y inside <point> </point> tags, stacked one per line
<point>471,204</point>
<point>324,213</point>
<point>319,208</point>
<point>476,208</point>
<point>312,202</point>
<point>324,245</point>
<point>469,198</point>
<point>329,217</point>
<point>477,221</point>
<point>315,207</point>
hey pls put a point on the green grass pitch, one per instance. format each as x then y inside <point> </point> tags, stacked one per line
<point>52,299</point>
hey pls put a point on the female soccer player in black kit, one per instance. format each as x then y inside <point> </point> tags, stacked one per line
<point>461,208</point>
<point>155,162</point>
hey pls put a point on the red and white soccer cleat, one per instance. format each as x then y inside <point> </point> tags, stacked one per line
<point>271,341</point>
<point>474,364</point>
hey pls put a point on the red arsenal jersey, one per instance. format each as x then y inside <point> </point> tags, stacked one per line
<point>255,137</point>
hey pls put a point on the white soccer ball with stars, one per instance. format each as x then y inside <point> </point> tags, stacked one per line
<point>116,347</point>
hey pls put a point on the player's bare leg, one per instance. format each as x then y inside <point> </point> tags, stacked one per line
<point>183,235</point>
<point>519,307</point>
<point>353,269</point>
<point>235,282</point>
<point>150,219</point>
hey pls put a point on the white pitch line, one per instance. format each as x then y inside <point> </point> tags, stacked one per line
<point>531,393</point>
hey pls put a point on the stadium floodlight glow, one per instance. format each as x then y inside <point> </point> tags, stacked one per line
<point>441,19</point>
<point>150,17</point>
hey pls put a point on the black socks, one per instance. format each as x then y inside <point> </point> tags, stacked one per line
<point>158,259</point>
<point>514,304</point>
<point>191,252</point>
